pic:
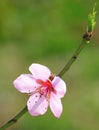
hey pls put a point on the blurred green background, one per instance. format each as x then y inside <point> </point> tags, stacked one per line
<point>48,32</point>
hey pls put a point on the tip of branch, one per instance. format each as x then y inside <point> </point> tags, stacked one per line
<point>91,24</point>
<point>91,19</point>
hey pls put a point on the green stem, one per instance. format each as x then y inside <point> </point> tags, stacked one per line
<point>14,119</point>
<point>64,70</point>
<point>73,58</point>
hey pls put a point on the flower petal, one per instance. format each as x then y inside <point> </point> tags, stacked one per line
<point>37,104</point>
<point>25,83</point>
<point>55,105</point>
<point>59,85</point>
<point>39,71</point>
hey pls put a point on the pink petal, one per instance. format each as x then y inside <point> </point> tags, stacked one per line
<point>55,105</point>
<point>25,83</point>
<point>59,85</point>
<point>39,71</point>
<point>37,104</point>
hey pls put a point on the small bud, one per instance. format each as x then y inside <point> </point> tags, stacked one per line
<point>91,25</point>
<point>51,77</point>
<point>91,19</point>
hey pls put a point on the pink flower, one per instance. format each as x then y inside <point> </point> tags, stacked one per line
<point>43,89</point>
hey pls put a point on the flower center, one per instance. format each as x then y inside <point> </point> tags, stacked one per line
<point>45,88</point>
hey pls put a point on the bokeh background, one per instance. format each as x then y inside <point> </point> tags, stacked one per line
<point>48,32</point>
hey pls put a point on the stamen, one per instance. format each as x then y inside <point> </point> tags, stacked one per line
<point>45,88</point>
<point>39,81</point>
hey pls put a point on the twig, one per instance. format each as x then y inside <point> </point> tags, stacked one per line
<point>14,119</point>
